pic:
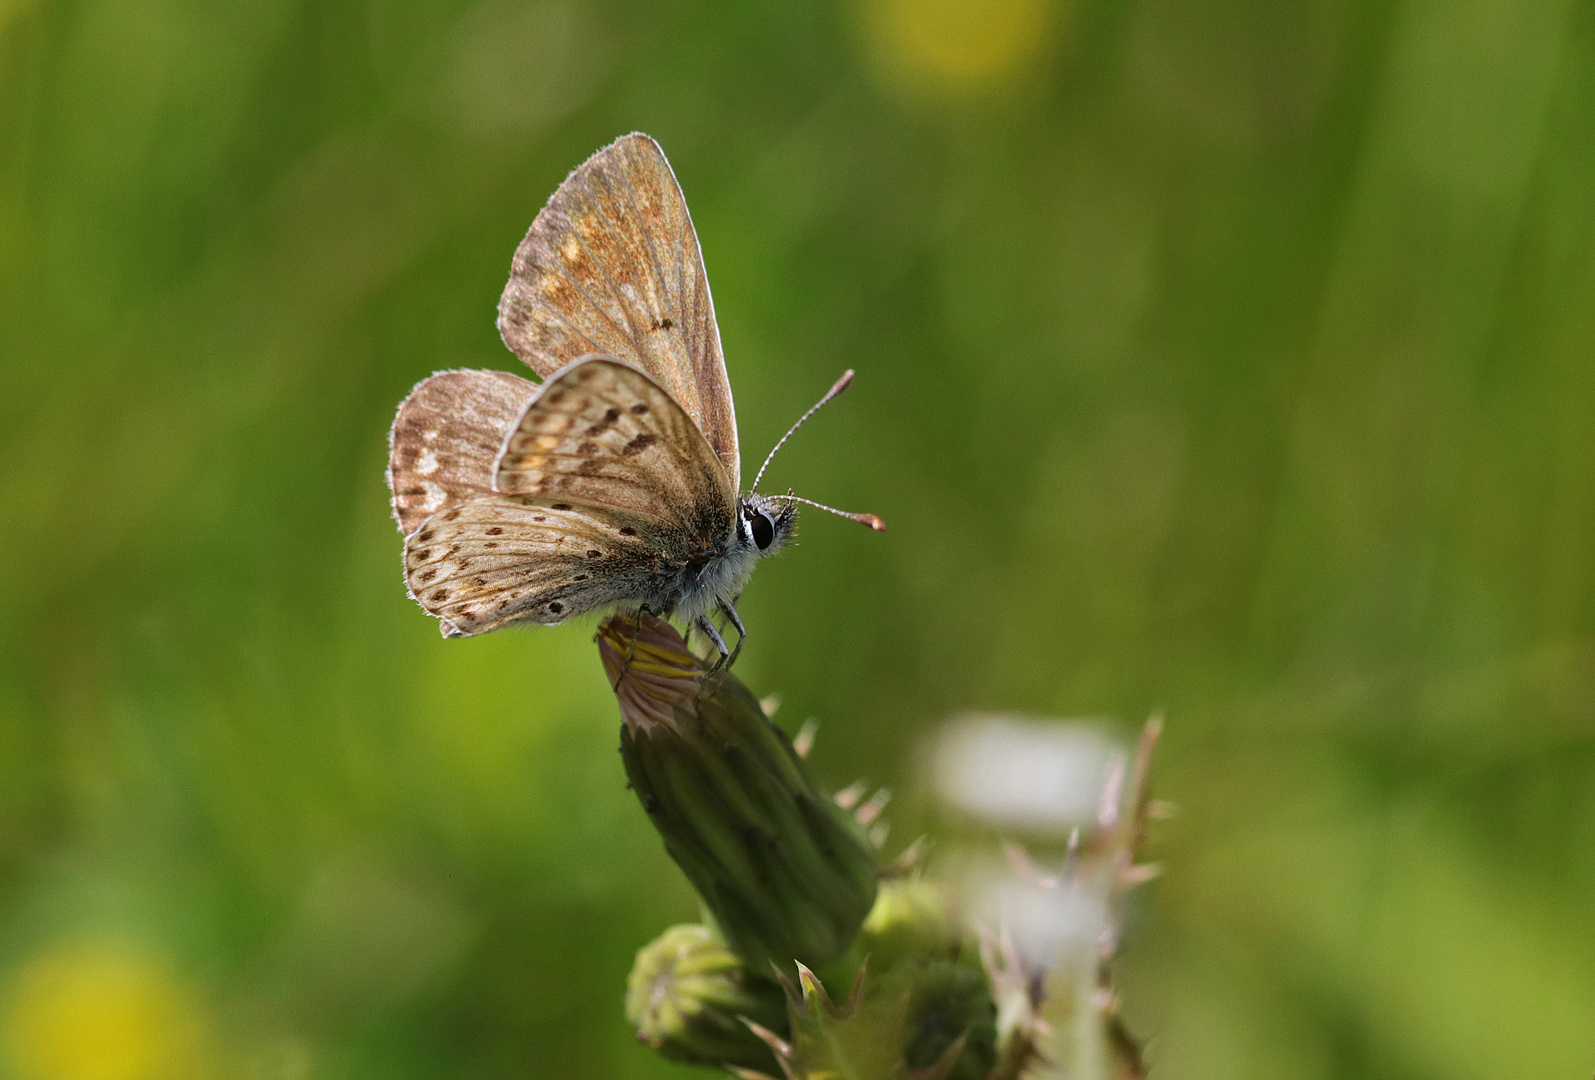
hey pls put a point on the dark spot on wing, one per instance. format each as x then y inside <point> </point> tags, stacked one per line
<point>491,544</point>
<point>560,506</point>
<point>423,556</point>
<point>586,447</point>
<point>424,537</point>
<point>555,397</point>
<point>603,425</point>
<point>540,517</point>
<point>495,531</point>
<point>556,607</point>
<point>639,409</point>
<point>593,553</point>
<point>479,581</point>
<point>427,575</point>
<point>579,577</point>
<point>441,594</point>
<point>452,514</point>
<point>591,467</point>
<point>627,530</point>
<point>639,444</point>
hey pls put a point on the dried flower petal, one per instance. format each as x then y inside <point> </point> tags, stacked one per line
<point>650,668</point>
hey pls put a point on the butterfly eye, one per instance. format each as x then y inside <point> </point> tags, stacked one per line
<point>763,530</point>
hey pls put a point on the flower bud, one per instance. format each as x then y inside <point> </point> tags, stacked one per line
<point>950,1006</point>
<point>787,874</point>
<point>915,944</point>
<point>687,995</point>
<point>910,922</point>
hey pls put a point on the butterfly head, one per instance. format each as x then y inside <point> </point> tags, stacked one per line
<point>766,523</point>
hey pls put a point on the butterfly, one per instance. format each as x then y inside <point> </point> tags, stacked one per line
<point>613,483</point>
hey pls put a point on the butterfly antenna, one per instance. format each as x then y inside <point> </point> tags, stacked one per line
<point>841,384</point>
<point>863,519</point>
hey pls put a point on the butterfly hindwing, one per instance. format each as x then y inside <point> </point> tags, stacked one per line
<point>445,438</point>
<point>507,559</point>
<point>612,265</point>
<point>603,489</point>
<point>603,433</point>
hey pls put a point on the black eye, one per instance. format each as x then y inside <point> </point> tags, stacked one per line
<point>763,530</point>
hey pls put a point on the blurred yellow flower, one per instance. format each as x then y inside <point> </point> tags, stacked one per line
<point>956,46</point>
<point>9,9</point>
<point>100,1011</point>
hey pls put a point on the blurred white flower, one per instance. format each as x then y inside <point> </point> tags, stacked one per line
<point>1045,917</point>
<point>1030,775</point>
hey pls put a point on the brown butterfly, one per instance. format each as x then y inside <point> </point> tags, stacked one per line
<point>613,484</point>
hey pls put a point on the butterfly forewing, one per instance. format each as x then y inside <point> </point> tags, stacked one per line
<point>511,559</point>
<point>445,438</point>
<point>604,433</point>
<point>612,265</point>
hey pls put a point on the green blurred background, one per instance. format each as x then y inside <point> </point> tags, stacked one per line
<point>1232,359</point>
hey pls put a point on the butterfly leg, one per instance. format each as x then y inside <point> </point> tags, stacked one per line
<point>636,632</point>
<point>730,610</point>
<point>719,642</point>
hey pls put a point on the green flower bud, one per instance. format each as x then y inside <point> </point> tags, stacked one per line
<point>688,993</point>
<point>951,1001</point>
<point>787,874</point>
<point>909,922</point>
<point>915,947</point>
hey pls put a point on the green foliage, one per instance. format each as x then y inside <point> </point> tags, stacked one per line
<point>1230,358</point>
<point>915,952</point>
<point>859,1039</point>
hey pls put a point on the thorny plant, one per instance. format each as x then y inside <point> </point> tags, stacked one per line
<point>798,899</point>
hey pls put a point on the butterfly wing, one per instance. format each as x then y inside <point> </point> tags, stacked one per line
<point>445,439</point>
<point>605,493</point>
<point>605,433</point>
<point>509,559</point>
<point>612,265</point>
